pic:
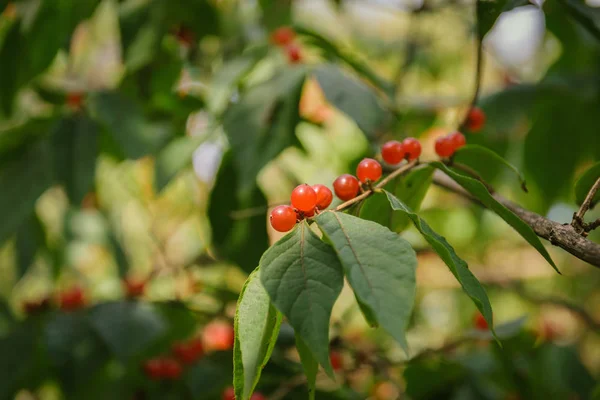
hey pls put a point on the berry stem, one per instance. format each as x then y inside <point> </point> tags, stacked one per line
<point>577,222</point>
<point>380,185</point>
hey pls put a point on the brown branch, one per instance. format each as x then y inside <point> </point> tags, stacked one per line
<point>380,185</point>
<point>577,222</point>
<point>561,235</point>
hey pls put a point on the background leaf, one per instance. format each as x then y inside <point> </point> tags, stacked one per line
<point>379,265</point>
<point>585,183</point>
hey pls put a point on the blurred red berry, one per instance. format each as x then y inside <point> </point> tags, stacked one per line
<point>258,396</point>
<point>304,198</point>
<point>72,299</point>
<point>171,369</point>
<point>458,140</point>
<point>228,394</point>
<point>134,288</point>
<point>75,100</point>
<point>393,152</point>
<point>283,36</point>
<point>324,196</point>
<point>283,218</point>
<point>479,322</point>
<point>444,147</point>
<point>188,352</point>
<point>218,335</point>
<point>412,147</point>
<point>346,187</point>
<point>185,36</point>
<point>336,360</point>
<point>475,119</point>
<point>293,52</point>
<point>153,368</point>
<point>368,169</point>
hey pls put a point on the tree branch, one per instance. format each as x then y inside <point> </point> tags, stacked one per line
<point>578,222</point>
<point>561,235</point>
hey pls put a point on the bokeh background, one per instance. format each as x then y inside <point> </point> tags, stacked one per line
<point>116,127</point>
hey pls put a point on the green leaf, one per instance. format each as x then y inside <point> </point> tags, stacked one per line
<point>458,266</point>
<point>30,237</point>
<point>503,331</point>
<point>310,365</point>
<point>379,265</point>
<point>76,150</point>
<point>18,350</point>
<point>261,125</point>
<point>134,135</point>
<point>119,254</point>
<point>353,98</point>
<point>488,12</point>
<point>14,137</point>
<point>127,327</point>
<point>276,12</point>
<point>585,183</point>
<point>239,239</point>
<point>411,189</point>
<point>208,377</point>
<point>478,190</point>
<point>32,166</point>
<point>173,158</point>
<point>588,17</point>
<point>474,155</point>
<point>304,278</point>
<point>257,324</point>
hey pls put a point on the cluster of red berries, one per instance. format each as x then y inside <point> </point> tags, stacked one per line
<point>229,394</point>
<point>305,200</point>
<point>445,146</point>
<point>284,38</point>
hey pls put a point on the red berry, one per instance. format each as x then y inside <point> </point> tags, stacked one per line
<point>258,396</point>
<point>134,288</point>
<point>480,322</point>
<point>283,36</point>
<point>153,368</point>
<point>444,146</point>
<point>412,147</point>
<point>188,352</point>
<point>170,368</point>
<point>283,218</point>
<point>218,335</point>
<point>304,198</point>
<point>293,53</point>
<point>74,100</point>
<point>228,393</point>
<point>72,299</point>
<point>324,196</point>
<point>368,169</point>
<point>336,360</point>
<point>393,152</point>
<point>309,214</point>
<point>346,187</point>
<point>458,140</point>
<point>475,119</point>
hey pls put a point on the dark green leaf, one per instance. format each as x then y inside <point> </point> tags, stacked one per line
<point>310,365</point>
<point>353,98</point>
<point>23,179</point>
<point>173,158</point>
<point>585,183</point>
<point>75,153</point>
<point>304,278</point>
<point>257,325</point>
<point>410,189</point>
<point>127,327</point>
<point>14,137</point>
<point>276,12</point>
<point>135,136</point>
<point>18,350</point>
<point>585,15</point>
<point>242,239</point>
<point>30,237</point>
<point>433,379</point>
<point>473,155</point>
<point>478,190</point>
<point>488,12</point>
<point>458,266</point>
<point>379,265</point>
<point>262,123</point>
<point>207,378</point>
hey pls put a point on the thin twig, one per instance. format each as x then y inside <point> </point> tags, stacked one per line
<point>561,235</point>
<point>577,222</point>
<point>478,75</point>
<point>380,185</point>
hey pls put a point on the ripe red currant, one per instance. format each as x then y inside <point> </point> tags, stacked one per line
<point>304,198</point>
<point>293,53</point>
<point>368,169</point>
<point>457,139</point>
<point>134,288</point>
<point>444,146</point>
<point>346,187</point>
<point>480,322</point>
<point>324,196</point>
<point>283,218</point>
<point>188,352</point>
<point>283,36</point>
<point>153,368</point>
<point>475,119</point>
<point>72,299</point>
<point>412,147</point>
<point>228,394</point>
<point>75,100</point>
<point>171,369</point>
<point>393,152</point>
<point>336,360</point>
<point>218,335</point>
